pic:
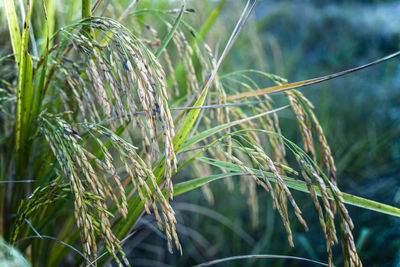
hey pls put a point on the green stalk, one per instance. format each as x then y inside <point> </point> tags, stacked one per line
<point>24,102</point>
<point>85,9</point>
<point>48,28</point>
<point>171,32</point>
<point>86,14</point>
<point>296,185</point>
<point>135,206</point>
<point>211,19</point>
<point>13,29</point>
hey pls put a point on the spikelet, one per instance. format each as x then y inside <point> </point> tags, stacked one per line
<point>41,197</point>
<point>115,80</point>
<point>250,184</point>
<point>304,124</point>
<point>327,189</point>
<point>281,190</point>
<point>88,190</point>
<point>327,158</point>
<point>220,92</point>
<point>217,153</point>
<point>351,257</point>
<point>280,193</point>
<point>90,184</point>
<point>145,184</point>
<point>185,53</point>
<point>326,184</point>
<point>171,71</point>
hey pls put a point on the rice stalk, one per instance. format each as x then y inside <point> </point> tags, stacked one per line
<point>107,124</point>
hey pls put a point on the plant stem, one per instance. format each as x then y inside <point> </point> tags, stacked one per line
<point>85,14</point>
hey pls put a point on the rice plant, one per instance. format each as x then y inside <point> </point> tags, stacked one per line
<point>100,114</point>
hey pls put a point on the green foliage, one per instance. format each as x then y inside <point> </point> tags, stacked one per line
<point>91,141</point>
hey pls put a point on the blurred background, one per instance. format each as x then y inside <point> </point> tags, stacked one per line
<point>360,114</point>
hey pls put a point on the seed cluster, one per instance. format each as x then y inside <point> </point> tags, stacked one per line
<point>117,79</point>
<point>315,143</point>
<point>328,187</point>
<point>114,79</point>
<point>89,184</point>
<point>40,197</point>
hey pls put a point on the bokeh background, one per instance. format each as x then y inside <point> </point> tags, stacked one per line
<point>360,114</point>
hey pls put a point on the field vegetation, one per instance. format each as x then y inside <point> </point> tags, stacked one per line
<point>119,117</point>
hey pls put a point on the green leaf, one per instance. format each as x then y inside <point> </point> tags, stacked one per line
<point>172,31</point>
<point>209,132</point>
<point>13,28</point>
<point>211,19</point>
<point>86,14</point>
<point>24,95</point>
<point>48,27</point>
<point>203,135</point>
<point>295,85</point>
<point>291,183</point>
<point>196,183</point>
<point>135,206</point>
<point>189,121</point>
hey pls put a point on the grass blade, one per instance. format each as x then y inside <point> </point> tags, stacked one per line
<point>209,132</point>
<point>172,31</point>
<point>281,88</point>
<point>264,256</point>
<point>196,183</point>
<point>24,95</point>
<point>210,21</point>
<point>13,28</point>
<point>191,118</point>
<point>189,121</point>
<point>135,205</point>
<point>293,184</point>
